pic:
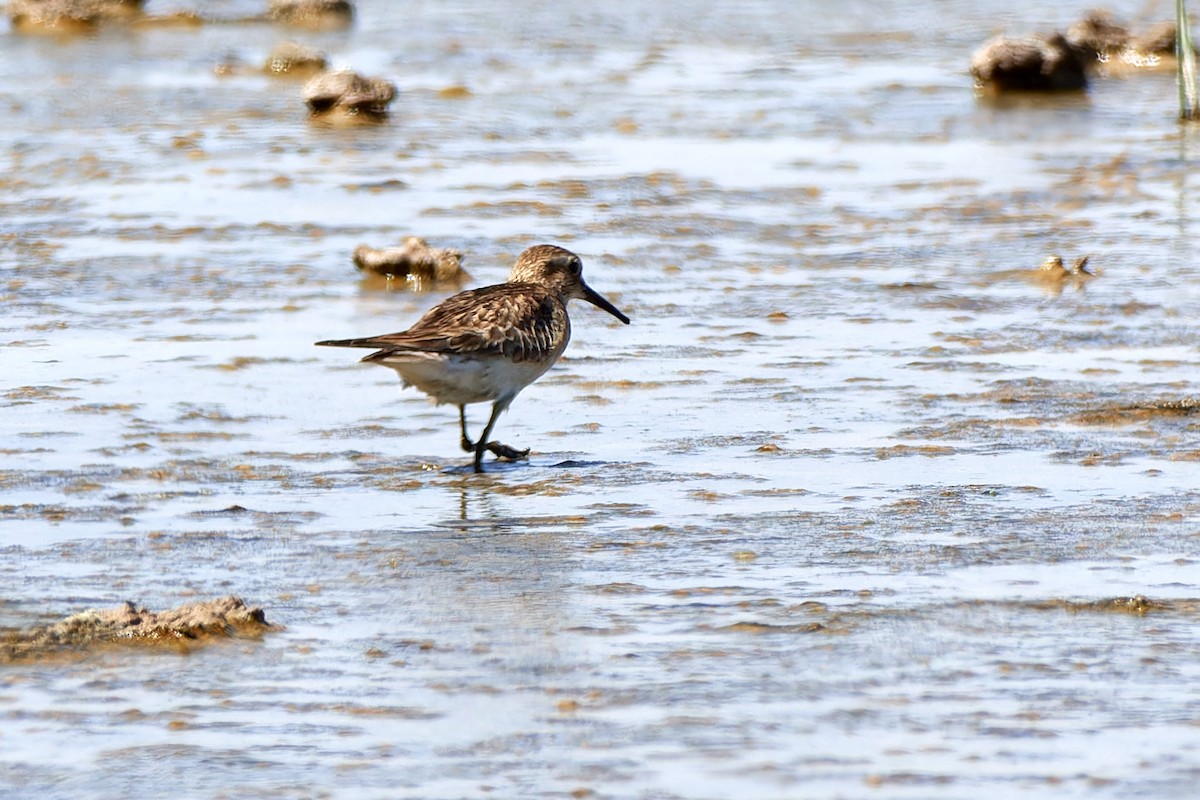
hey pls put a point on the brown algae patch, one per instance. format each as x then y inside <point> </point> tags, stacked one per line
<point>179,629</point>
<point>1048,404</point>
<point>1138,605</point>
<point>766,628</point>
<point>27,394</point>
<point>103,408</point>
<point>357,710</point>
<point>244,362</point>
<point>1128,414</point>
<point>501,209</point>
<point>902,450</point>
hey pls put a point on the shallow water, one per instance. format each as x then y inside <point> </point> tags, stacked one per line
<point>847,511</point>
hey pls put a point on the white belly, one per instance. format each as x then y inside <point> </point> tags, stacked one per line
<point>461,380</point>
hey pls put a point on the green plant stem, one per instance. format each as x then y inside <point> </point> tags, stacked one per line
<point>1189,99</point>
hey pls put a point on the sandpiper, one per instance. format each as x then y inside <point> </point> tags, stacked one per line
<point>486,345</point>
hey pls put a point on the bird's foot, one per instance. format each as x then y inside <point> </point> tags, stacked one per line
<point>506,452</point>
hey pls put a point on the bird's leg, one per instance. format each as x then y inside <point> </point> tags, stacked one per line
<point>465,442</point>
<point>481,445</point>
<point>500,450</point>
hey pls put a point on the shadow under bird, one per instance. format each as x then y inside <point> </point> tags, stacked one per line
<point>486,345</point>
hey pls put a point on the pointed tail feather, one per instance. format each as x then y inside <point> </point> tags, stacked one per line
<point>348,343</point>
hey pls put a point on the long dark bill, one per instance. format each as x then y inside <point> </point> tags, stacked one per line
<point>596,299</point>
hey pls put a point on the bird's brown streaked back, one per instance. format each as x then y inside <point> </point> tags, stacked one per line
<point>522,322</point>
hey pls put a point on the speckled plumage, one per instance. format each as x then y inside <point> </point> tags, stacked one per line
<point>486,345</point>
<point>520,321</point>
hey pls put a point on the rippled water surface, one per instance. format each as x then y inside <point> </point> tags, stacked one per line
<point>856,507</point>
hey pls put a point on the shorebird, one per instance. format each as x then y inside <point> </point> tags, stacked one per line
<point>486,345</point>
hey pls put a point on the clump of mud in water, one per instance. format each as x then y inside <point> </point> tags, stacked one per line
<point>1030,64</point>
<point>312,14</point>
<point>179,629</point>
<point>67,16</point>
<point>347,96</point>
<point>294,60</point>
<point>415,261</point>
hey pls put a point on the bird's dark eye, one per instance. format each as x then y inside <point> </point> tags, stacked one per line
<point>576,266</point>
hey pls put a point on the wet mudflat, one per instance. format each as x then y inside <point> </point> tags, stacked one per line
<point>862,504</point>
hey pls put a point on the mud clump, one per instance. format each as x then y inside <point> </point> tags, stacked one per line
<point>313,14</point>
<point>348,95</point>
<point>1055,63</point>
<point>1030,64</point>
<point>1053,275</point>
<point>1055,266</point>
<point>1157,40</point>
<point>178,629</point>
<point>292,60</point>
<point>1099,34</point>
<point>414,261</point>
<point>1102,38</point>
<point>65,16</point>
<point>1056,274</point>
